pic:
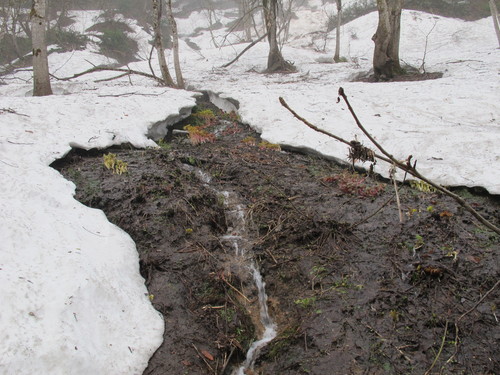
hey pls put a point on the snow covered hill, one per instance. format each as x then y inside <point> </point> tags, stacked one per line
<point>73,301</point>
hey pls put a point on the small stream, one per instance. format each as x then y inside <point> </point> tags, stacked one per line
<point>237,239</point>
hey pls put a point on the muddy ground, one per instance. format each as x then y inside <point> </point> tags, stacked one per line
<point>351,292</point>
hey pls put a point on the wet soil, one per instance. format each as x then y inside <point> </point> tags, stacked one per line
<point>351,292</point>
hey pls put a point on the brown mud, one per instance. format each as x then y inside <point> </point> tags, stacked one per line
<point>351,293</point>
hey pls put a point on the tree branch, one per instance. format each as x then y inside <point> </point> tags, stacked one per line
<point>387,157</point>
<point>104,68</point>
<point>411,169</point>
<point>244,50</point>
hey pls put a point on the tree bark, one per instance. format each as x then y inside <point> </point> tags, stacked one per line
<point>245,17</point>
<point>386,55</point>
<point>494,14</point>
<point>41,79</point>
<point>336,57</point>
<point>275,60</point>
<point>175,46</point>
<point>158,43</point>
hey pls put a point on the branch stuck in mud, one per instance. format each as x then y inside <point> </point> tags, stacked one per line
<point>405,166</point>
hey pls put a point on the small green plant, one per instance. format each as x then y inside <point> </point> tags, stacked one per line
<point>355,184</point>
<point>198,135</point>
<point>231,116</point>
<point>305,303</point>
<point>249,141</point>
<point>117,166</point>
<point>68,40</point>
<point>422,186</point>
<point>395,315</point>
<point>164,145</point>
<point>206,116</point>
<point>317,274</point>
<point>227,314</point>
<point>268,145</point>
<point>283,342</point>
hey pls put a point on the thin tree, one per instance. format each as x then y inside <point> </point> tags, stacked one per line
<point>158,43</point>
<point>494,14</point>
<point>41,79</point>
<point>386,55</point>
<point>336,57</point>
<point>275,60</point>
<point>175,45</point>
<point>244,9</point>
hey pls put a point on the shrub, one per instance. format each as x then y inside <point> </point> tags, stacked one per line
<point>67,40</point>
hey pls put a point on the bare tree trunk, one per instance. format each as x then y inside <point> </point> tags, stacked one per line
<point>162,61</point>
<point>386,54</point>
<point>245,16</point>
<point>336,57</point>
<point>175,46</point>
<point>41,79</point>
<point>275,60</point>
<point>494,14</point>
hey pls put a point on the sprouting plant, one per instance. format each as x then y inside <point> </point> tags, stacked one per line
<point>249,141</point>
<point>418,244</point>
<point>355,184</point>
<point>228,314</point>
<point>206,117</point>
<point>198,135</point>
<point>231,116</point>
<point>422,186</point>
<point>268,145</point>
<point>164,145</point>
<point>305,302</point>
<point>395,315</point>
<point>317,274</point>
<point>117,166</point>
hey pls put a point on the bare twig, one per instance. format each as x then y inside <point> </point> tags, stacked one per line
<point>235,289</point>
<point>244,50</point>
<point>388,158</point>
<point>390,343</point>
<point>411,169</point>
<point>203,358</point>
<point>112,78</point>
<point>10,165</point>
<point>104,68</point>
<point>440,349</point>
<point>396,191</point>
<point>478,302</point>
<point>468,312</point>
<point>12,111</point>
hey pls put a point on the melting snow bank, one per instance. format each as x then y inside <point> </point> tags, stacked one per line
<point>73,300</point>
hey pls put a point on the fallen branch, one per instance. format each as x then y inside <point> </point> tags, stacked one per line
<point>411,169</point>
<point>104,68</point>
<point>478,302</point>
<point>406,166</point>
<point>12,111</point>
<point>244,50</point>
<point>464,314</point>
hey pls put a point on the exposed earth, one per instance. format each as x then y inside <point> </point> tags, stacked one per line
<point>351,291</point>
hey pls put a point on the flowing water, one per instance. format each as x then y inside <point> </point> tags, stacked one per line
<point>237,238</point>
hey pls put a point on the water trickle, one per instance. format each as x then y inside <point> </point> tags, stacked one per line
<point>236,237</point>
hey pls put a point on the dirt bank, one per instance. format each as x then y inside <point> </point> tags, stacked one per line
<point>351,293</point>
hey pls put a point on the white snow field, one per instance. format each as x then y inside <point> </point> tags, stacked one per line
<point>73,301</point>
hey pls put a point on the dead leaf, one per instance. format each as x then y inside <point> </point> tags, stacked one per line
<point>473,259</point>
<point>446,214</point>
<point>207,355</point>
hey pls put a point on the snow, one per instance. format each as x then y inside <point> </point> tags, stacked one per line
<point>73,299</point>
